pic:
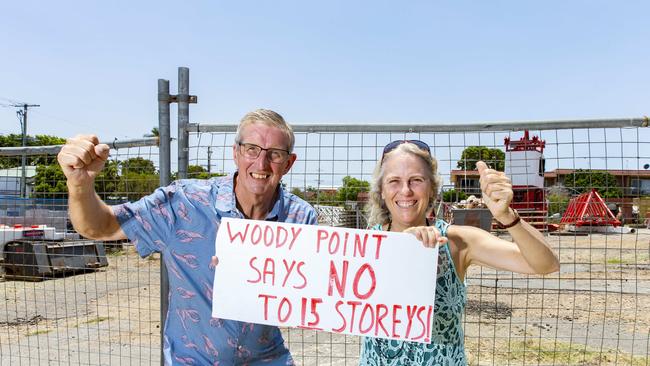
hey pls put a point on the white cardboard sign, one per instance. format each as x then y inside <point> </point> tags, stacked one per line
<point>361,282</point>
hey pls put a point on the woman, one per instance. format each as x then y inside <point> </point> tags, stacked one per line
<point>404,186</point>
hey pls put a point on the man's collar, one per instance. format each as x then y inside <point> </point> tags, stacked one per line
<point>227,201</point>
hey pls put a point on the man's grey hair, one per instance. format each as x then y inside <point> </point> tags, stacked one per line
<point>269,118</point>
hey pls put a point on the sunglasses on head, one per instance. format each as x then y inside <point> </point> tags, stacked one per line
<point>393,145</point>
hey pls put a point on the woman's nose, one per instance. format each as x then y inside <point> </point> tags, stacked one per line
<point>406,188</point>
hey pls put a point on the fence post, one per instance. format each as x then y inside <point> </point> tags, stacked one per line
<point>164,163</point>
<point>164,134</point>
<point>183,100</point>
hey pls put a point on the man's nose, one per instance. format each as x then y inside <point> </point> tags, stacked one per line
<point>262,160</point>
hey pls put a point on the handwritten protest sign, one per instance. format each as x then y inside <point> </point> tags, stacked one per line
<point>362,282</point>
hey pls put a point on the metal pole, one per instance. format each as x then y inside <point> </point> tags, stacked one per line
<point>209,159</point>
<point>183,100</point>
<point>164,160</point>
<point>23,183</point>
<point>440,127</point>
<point>164,133</point>
<point>54,149</point>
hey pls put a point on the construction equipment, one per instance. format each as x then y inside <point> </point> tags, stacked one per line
<point>477,217</point>
<point>588,212</point>
<point>524,165</point>
<point>37,252</point>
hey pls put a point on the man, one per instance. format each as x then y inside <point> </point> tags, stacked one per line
<point>181,221</point>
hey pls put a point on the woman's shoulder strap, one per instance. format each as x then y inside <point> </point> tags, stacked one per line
<point>442,225</point>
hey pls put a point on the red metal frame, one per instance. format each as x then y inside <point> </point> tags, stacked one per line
<point>525,143</point>
<point>589,209</point>
<point>529,198</point>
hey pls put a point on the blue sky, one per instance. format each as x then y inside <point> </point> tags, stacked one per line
<point>93,66</point>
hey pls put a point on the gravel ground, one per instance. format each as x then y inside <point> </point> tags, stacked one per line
<point>599,301</point>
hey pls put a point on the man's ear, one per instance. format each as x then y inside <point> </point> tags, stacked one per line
<point>235,151</point>
<point>290,161</point>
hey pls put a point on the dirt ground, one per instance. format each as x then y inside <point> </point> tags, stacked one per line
<point>595,311</point>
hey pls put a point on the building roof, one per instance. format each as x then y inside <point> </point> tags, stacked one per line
<point>618,172</point>
<point>559,172</point>
<point>17,172</point>
<point>462,173</point>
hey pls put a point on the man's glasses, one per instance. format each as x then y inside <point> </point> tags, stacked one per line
<point>393,145</point>
<point>252,151</point>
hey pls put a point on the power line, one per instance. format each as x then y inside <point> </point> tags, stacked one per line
<point>11,101</point>
<point>64,120</point>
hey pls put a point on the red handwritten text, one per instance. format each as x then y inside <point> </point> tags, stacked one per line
<point>268,272</point>
<point>373,319</point>
<point>283,310</point>
<point>345,243</point>
<point>340,281</point>
<point>264,234</point>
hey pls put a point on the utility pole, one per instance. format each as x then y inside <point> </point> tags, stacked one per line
<point>209,160</point>
<point>22,115</point>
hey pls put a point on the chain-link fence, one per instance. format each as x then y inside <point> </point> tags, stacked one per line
<point>67,300</point>
<point>594,311</point>
<point>97,307</point>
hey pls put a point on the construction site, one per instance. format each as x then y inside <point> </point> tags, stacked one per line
<point>70,300</point>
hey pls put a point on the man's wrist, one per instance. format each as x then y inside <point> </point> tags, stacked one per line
<point>80,189</point>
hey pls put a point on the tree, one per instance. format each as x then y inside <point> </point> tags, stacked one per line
<point>108,180</point>
<point>299,193</point>
<point>494,158</point>
<point>11,140</point>
<point>15,140</point>
<point>50,181</point>
<point>310,194</point>
<point>314,196</point>
<point>138,178</point>
<point>583,180</point>
<point>138,165</point>
<point>327,198</point>
<point>557,203</point>
<point>453,195</point>
<point>351,188</point>
<point>558,197</point>
<point>134,186</point>
<point>197,172</point>
<point>46,140</point>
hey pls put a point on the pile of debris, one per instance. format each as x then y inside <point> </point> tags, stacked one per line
<point>470,202</point>
<point>472,212</point>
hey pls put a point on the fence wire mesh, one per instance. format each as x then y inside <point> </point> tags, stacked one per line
<point>67,300</point>
<point>596,310</point>
<point>593,312</point>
